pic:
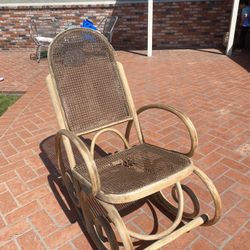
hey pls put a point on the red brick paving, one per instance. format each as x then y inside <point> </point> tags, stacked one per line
<point>211,88</point>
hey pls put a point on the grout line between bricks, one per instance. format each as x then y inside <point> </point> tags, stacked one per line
<point>193,242</point>
<point>72,245</point>
<point>17,245</point>
<point>52,217</point>
<point>140,230</point>
<point>24,109</point>
<point>14,237</point>
<point>63,243</point>
<point>37,233</point>
<point>73,238</point>
<point>17,202</point>
<point>224,243</point>
<point>231,178</point>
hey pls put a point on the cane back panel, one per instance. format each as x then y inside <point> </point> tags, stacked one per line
<point>87,80</point>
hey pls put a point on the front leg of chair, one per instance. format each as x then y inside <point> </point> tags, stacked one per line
<point>215,196</point>
<point>85,154</point>
<point>72,185</point>
<point>81,195</point>
<point>160,199</point>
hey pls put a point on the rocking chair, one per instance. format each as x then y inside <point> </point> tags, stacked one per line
<point>90,94</point>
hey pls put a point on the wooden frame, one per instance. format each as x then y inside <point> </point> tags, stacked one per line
<point>80,190</point>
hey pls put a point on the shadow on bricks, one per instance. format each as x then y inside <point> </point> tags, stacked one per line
<point>48,156</point>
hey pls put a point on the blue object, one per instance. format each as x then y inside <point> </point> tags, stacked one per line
<point>245,15</point>
<point>88,24</point>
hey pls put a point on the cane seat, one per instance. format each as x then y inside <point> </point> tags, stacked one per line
<point>134,168</point>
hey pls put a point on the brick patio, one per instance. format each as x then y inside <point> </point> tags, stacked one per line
<point>213,90</point>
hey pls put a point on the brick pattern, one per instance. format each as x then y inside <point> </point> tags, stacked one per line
<point>210,87</point>
<point>176,24</point>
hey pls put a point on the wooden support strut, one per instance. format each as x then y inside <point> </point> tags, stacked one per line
<point>189,226</point>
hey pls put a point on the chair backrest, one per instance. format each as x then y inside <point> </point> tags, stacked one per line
<point>108,24</point>
<point>44,27</point>
<point>87,80</point>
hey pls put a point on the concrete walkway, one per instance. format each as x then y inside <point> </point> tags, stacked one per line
<point>212,89</point>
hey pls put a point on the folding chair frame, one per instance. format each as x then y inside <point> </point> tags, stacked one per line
<point>101,27</point>
<point>40,45</point>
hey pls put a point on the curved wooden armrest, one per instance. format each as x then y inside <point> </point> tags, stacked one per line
<point>188,123</point>
<point>115,131</point>
<point>83,150</point>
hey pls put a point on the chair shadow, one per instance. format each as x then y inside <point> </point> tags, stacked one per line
<point>48,156</point>
<point>137,52</point>
<point>217,51</point>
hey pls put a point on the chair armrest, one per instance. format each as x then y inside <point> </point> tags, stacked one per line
<point>188,123</point>
<point>88,159</point>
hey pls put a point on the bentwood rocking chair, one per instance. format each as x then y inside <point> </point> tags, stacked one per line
<point>90,94</point>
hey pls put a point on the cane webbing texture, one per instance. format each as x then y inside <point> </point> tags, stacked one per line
<point>97,209</point>
<point>135,168</point>
<point>87,80</point>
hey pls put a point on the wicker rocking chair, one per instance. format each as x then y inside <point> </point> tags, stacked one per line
<point>90,93</point>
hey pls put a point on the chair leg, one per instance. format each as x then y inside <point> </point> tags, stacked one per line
<point>215,196</point>
<point>120,225</point>
<point>176,222</point>
<point>38,53</point>
<point>160,199</point>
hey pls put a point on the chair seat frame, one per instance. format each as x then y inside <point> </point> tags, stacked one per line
<point>81,189</point>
